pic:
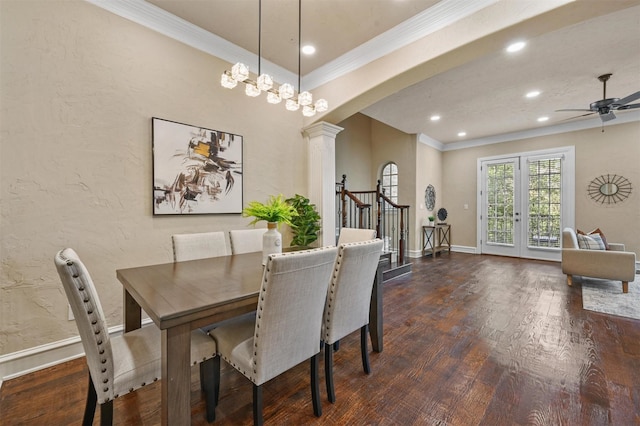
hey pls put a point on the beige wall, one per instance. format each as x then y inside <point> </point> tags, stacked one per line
<point>353,153</point>
<point>428,172</point>
<point>79,86</point>
<point>616,151</point>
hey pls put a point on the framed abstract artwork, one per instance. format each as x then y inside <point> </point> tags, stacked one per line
<point>195,170</point>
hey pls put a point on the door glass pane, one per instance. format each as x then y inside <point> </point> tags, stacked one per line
<point>545,177</point>
<point>500,199</point>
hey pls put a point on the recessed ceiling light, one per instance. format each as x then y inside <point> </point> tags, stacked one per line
<point>435,117</point>
<point>543,119</point>
<point>514,47</point>
<point>308,49</point>
<point>533,94</point>
<point>461,134</point>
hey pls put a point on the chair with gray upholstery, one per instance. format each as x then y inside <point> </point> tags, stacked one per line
<point>286,330</point>
<point>246,240</point>
<point>352,235</point>
<point>200,245</point>
<point>348,300</point>
<point>123,363</point>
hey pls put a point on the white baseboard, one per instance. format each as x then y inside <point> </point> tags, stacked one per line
<point>454,248</point>
<point>26,361</point>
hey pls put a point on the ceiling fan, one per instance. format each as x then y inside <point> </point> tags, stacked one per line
<point>605,107</point>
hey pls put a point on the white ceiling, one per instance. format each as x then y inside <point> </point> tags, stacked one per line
<point>485,97</point>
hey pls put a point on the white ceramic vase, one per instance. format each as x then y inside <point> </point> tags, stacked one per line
<point>271,241</point>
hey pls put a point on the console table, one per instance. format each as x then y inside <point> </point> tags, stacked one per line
<point>436,238</point>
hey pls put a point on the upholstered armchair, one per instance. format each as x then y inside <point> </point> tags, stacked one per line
<point>123,363</point>
<point>612,264</point>
<point>286,329</point>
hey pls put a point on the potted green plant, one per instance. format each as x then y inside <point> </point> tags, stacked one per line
<point>275,211</point>
<point>306,224</point>
<point>432,219</point>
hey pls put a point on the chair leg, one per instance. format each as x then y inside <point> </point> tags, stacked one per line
<point>569,280</point>
<point>106,413</point>
<point>257,405</point>
<point>364,331</point>
<point>207,384</point>
<point>216,380</point>
<point>336,346</point>
<point>625,286</point>
<point>90,406</point>
<point>328,373</point>
<point>315,386</point>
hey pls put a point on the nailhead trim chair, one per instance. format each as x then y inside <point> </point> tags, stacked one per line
<point>352,235</point>
<point>122,364</point>
<point>199,246</point>
<point>348,300</point>
<point>287,327</point>
<point>246,240</point>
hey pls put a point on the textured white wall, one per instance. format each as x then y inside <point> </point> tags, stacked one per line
<point>79,86</point>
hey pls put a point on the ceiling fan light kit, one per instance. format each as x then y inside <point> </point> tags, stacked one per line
<point>240,74</point>
<point>606,106</point>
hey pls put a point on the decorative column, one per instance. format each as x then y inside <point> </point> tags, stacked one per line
<point>321,178</point>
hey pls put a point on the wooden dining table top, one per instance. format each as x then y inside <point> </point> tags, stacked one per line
<point>188,291</point>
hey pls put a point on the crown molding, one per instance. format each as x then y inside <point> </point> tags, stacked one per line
<point>163,22</point>
<point>427,22</point>
<point>627,117</point>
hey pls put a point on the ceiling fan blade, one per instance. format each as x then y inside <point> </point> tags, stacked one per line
<point>632,106</point>
<point>632,97</point>
<point>584,110</point>
<point>577,116</point>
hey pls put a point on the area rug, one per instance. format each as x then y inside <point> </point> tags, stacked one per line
<point>606,296</point>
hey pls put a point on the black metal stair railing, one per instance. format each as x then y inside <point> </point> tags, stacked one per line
<point>374,210</point>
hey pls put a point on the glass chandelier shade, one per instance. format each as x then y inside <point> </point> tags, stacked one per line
<point>292,105</point>
<point>227,81</point>
<point>251,90</point>
<point>265,82</point>
<point>273,97</point>
<point>308,111</point>
<point>322,105</point>
<point>240,72</point>
<point>305,98</point>
<point>286,91</point>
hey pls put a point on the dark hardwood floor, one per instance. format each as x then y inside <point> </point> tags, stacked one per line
<point>469,340</point>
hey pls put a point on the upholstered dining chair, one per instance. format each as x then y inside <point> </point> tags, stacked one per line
<point>351,235</point>
<point>348,299</point>
<point>199,245</point>
<point>246,240</point>
<point>286,330</point>
<point>122,364</point>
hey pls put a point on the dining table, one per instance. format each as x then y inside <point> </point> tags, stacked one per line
<point>183,296</point>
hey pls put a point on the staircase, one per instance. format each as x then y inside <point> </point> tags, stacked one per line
<point>372,209</point>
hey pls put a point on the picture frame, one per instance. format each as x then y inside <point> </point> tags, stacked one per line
<point>196,170</point>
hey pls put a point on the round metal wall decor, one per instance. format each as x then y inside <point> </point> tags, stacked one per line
<point>430,197</point>
<point>609,189</point>
<point>442,214</point>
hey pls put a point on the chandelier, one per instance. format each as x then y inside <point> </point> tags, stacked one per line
<point>264,83</point>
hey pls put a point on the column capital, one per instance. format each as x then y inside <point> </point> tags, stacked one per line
<point>322,129</point>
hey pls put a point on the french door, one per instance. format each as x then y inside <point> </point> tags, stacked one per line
<point>525,201</point>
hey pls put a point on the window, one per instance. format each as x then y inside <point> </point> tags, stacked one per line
<point>545,189</point>
<point>390,181</point>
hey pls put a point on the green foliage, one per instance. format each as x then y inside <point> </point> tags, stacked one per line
<point>306,224</point>
<point>432,218</point>
<point>276,209</point>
